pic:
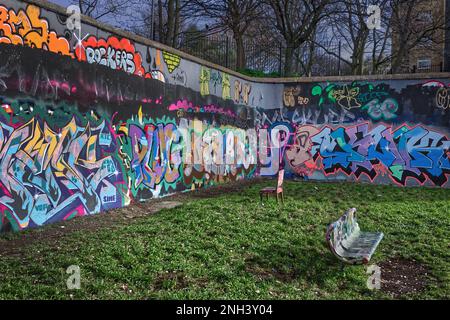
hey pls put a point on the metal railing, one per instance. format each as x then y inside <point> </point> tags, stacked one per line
<point>269,60</point>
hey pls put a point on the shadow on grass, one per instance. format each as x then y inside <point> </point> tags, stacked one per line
<point>293,263</point>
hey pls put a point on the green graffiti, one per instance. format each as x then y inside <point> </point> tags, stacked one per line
<point>385,110</point>
<point>205,77</point>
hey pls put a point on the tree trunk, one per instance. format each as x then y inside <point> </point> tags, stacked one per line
<point>161,33</point>
<point>288,59</point>
<point>176,28</point>
<point>361,61</point>
<point>240,52</point>
<point>397,62</point>
<point>311,59</point>
<point>170,22</point>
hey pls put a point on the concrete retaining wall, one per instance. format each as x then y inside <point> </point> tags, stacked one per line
<point>92,125</point>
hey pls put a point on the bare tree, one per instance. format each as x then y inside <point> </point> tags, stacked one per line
<point>162,20</point>
<point>415,24</point>
<point>349,23</point>
<point>263,52</point>
<point>99,9</point>
<point>380,40</point>
<point>234,15</point>
<point>296,21</point>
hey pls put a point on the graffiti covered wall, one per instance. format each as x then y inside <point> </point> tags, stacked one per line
<point>390,131</point>
<point>91,121</point>
<point>76,140</point>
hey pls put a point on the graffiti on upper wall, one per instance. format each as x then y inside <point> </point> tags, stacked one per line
<point>385,110</point>
<point>292,97</point>
<point>155,65</point>
<point>376,101</point>
<point>242,92</point>
<point>205,77</point>
<point>218,81</point>
<point>113,53</point>
<point>443,98</point>
<point>180,77</point>
<point>172,61</point>
<point>226,87</point>
<point>345,96</point>
<point>28,28</point>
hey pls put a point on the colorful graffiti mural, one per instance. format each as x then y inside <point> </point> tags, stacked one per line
<point>401,153</point>
<point>162,153</point>
<point>443,98</point>
<point>57,174</point>
<point>376,100</point>
<point>385,110</point>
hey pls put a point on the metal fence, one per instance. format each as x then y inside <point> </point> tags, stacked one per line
<point>264,59</point>
<point>269,60</point>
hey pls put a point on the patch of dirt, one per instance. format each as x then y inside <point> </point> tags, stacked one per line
<point>219,190</point>
<point>263,273</point>
<point>170,280</point>
<point>12,244</point>
<point>400,277</point>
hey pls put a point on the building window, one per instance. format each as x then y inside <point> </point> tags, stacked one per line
<point>424,63</point>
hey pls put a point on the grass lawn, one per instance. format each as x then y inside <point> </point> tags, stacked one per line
<point>231,247</point>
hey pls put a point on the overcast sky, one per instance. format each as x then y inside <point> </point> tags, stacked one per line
<point>122,21</point>
<point>63,3</point>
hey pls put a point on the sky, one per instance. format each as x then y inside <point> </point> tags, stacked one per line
<point>116,21</point>
<point>63,3</point>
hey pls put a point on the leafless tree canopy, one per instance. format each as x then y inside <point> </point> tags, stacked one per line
<point>300,36</point>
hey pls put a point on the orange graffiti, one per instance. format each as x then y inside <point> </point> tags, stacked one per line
<point>28,29</point>
<point>114,53</point>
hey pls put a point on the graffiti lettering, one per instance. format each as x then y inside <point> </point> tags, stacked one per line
<point>49,176</point>
<point>415,153</point>
<point>113,53</point>
<point>29,29</point>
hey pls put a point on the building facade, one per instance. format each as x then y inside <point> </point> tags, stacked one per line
<point>432,52</point>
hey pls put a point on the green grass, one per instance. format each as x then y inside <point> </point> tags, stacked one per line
<point>230,247</point>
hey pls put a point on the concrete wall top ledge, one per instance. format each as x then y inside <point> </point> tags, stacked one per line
<point>105,27</point>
